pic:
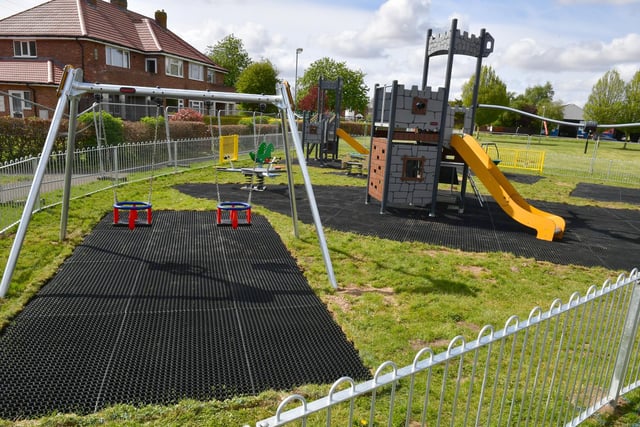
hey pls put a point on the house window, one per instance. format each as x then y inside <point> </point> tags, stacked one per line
<point>412,168</point>
<point>151,65</point>
<point>173,67</point>
<point>198,106</point>
<point>117,57</point>
<point>2,107</point>
<point>196,72</point>
<point>20,101</point>
<point>211,75</point>
<point>24,48</point>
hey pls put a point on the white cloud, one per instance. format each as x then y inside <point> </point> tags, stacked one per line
<point>396,24</point>
<point>570,43</point>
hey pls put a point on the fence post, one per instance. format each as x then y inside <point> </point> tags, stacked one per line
<point>116,174</point>
<point>626,342</point>
<point>34,165</point>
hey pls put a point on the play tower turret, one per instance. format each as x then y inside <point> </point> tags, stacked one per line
<point>413,127</point>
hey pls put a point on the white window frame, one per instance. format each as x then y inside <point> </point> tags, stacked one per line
<point>174,67</point>
<point>211,75</point>
<point>18,106</point>
<point>197,105</point>
<point>117,57</point>
<point>196,71</point>
<point>24,49</point>
<point>153,61</point>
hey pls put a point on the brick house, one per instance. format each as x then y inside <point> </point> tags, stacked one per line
<point>111,44</point>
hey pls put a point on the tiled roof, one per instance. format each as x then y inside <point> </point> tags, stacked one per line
<point>32,71</point>
<point>573,112</point>
<point>104,22</point>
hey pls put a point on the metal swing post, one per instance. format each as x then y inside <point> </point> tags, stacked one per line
<point>286,96</point>
<point>64,92</point>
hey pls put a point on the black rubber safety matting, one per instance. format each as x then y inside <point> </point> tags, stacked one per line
<point>181,309</point>
<point>593,237</point>
<point>606,193</point>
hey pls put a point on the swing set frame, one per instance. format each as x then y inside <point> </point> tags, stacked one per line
<point>70,90</point>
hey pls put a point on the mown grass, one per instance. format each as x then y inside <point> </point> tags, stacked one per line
<point>393,298</point>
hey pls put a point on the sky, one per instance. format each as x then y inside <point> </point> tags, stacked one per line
<point>569,43</point>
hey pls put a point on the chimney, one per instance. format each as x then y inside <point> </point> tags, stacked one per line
<point>161,18</point>
<point>120,3</point>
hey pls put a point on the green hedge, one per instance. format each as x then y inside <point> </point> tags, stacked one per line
<point>356,128</point>
<point>25,137</point>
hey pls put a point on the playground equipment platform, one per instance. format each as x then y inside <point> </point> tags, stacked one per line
<point>182,309</point>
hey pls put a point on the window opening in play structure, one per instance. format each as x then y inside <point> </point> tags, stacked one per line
<point>413,168</point>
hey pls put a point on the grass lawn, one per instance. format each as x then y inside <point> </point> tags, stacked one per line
<point>389,306</point>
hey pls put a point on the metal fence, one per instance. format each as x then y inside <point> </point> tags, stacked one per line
<point>594,169</point>
<point>557,367</point>
<point>98,169</point>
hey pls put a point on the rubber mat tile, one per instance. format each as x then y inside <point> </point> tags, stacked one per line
<point>86,289</point>
<point>293,346</point>
<point>164,357</point>
<point>54,363</point>
<point>112,245</point>
<point>170,287</point>
<point>258,241</point>
<point>278,286</point>
<point>209,241</point>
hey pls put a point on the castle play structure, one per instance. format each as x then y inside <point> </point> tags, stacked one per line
<point>414,147</point>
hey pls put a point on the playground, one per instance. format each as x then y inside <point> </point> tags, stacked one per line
<point>189,309</point>
<point>199,305</point>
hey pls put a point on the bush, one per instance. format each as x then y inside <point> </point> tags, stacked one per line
<point>188,130</point>
<point>187,115</point>
<point>113,130</point>
<point>224,120</point>
<point>356,128</point>
<point>258,120</point>
<point>156,128</point>
<point>25,137</point>
<point>142,132</point>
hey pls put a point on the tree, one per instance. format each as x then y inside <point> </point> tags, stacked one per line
<point>606,101</point>
<point>354,90</point>
<point>229,53</point>
<point>540,101</point>
<point>535,100</point>
<point>631,110</point>
<point>540,94</point>
<point>491,90</point>
<point>309,102</point>
<point>259,77</point>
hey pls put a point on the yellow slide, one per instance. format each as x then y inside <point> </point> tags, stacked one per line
<point>352,141</point>
<point>547,225</point>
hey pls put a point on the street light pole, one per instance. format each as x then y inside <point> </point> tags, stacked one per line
<point>295,83</point>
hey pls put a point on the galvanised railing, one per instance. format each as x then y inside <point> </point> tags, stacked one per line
<point>594,169</point>
<point>557,367</point>
<point>98,169</point>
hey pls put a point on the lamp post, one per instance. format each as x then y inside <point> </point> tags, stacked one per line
<point>295,83</point>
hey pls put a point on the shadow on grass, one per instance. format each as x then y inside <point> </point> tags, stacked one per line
<point>426,285</point>
<point>441,286</point>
